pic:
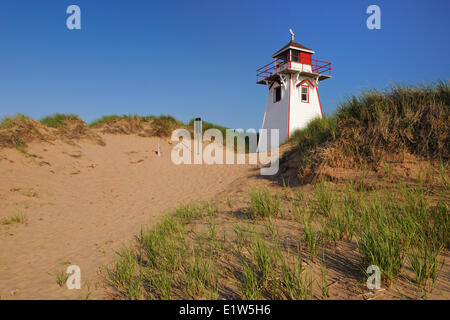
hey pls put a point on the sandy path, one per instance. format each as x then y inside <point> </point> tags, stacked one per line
<point>83,202</point>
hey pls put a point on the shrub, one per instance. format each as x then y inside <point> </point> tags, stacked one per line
<point>58,120</point>
<point>104,119</point>
<point>316,133</point>
<point>8,122</point>
<point>163,125</point>
<point>411,118</point>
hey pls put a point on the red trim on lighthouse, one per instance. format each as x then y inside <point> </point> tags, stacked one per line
<point>317,90</point>
<point>289,106</point>
<point>306,80</point>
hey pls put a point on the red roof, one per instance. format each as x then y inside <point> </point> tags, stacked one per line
<point>293,44</point>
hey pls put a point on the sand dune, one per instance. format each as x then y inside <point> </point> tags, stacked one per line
<point>83,201</point>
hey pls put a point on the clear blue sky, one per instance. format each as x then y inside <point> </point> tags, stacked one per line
<point>198,58</point>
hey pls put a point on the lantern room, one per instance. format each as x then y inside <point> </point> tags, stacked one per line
<point>293,58</point>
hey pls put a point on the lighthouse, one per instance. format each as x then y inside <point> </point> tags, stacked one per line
<point>292,81</point>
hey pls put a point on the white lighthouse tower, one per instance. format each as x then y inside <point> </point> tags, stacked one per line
<point>292,80</point>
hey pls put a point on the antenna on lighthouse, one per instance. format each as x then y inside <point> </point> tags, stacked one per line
<point>292,34</point>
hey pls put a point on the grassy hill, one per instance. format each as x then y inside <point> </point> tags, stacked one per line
<point>369,131</point>
<point>18,130</point>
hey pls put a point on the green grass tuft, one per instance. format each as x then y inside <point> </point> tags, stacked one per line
<point>163,125</point>
<point>324,198</point>
<point>263,204</point>
<point>58,120</point>
<point>8,122</point>
<point>104,119</point>
<point>19,218</point>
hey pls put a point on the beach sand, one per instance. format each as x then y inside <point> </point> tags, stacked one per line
<point>82,202</point>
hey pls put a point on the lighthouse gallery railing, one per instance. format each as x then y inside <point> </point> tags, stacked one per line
<point>318,67</point>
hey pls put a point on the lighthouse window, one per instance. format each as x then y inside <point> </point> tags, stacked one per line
<point>277,94</point>
<point>305,94</point>
<point>295,56</point>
